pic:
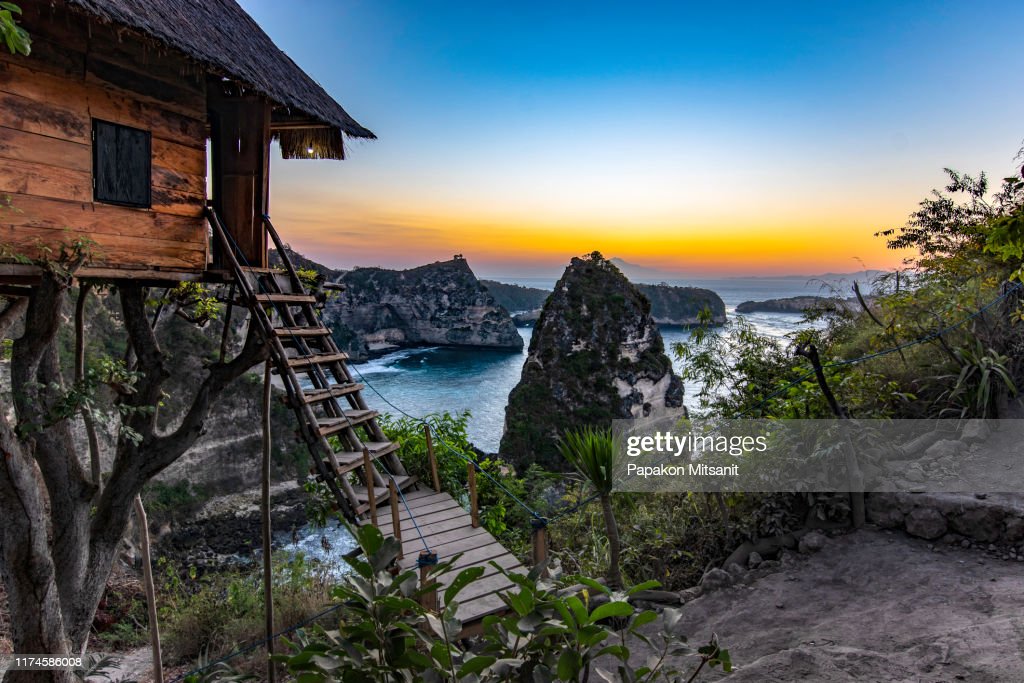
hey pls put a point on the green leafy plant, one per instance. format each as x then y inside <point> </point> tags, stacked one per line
<point>15,37</point>
<point>592,452</point>
<point>553,630</point>
<point>983,371</point>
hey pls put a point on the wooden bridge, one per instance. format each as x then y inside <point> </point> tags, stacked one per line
<point>351,453</point>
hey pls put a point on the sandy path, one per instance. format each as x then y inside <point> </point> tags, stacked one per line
<point>873,606</point>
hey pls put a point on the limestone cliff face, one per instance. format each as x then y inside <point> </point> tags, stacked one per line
<point>681,305</point>
<point>437,304</point>
<point>596,355</point>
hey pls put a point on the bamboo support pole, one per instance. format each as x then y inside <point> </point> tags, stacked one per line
<point>147,579</point>
<point>433,458</point>
<point>268,569</point>
<point>396,524</point>
<point>368,476</point>
<point>539,539</point>
<point>474,510</point>
<point>428,598</point>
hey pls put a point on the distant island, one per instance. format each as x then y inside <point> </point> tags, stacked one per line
<point>516,298</point>
<point>669,305</point>
<point>796,304</point>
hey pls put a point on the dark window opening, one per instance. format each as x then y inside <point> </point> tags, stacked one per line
<point>122,164</point>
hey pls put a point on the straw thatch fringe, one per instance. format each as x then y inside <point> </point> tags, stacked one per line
<point>311,143</point>
<point>226,41</point>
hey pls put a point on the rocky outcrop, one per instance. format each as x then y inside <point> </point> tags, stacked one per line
<point>796,304</point>
<point>682,305</point>
<point>595,355</point>
<point>439,304</point>
<point>517,298</point>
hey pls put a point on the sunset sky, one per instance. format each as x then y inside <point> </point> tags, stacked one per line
<point>749,140</point>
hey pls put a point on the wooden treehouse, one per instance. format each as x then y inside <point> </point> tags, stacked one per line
<point>143,127</point>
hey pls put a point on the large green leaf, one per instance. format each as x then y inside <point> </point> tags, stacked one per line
<point>463,579</point>
<point>611,609</point>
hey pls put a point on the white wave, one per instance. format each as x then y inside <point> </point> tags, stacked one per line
<point>388,364</point>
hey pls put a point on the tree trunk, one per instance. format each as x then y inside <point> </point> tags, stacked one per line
<point>614,571</point>
<point>59,536</point>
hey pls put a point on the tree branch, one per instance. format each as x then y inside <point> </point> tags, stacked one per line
<point>11,313</point>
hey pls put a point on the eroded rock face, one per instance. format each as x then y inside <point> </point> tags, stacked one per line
<point>438,304</point>
<point>596,355</point>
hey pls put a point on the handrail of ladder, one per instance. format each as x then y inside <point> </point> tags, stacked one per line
<point>267,332</point>
<point>282,253</point>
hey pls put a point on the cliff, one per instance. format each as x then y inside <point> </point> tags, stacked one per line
<point>681,305</point>
<point>595,355</point>
<point>517,298</point>
<point>437,304</point>
<point>669,305</point>
<point>795,304</point>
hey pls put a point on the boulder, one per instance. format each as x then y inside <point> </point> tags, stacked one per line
<point>735,569</point>
<point>717,578</point>
<point>1014,532</point>
<point>975,431</point>
<point>884,510</point>
<point>812,542</point>
<point>983,523</point>
<point>926,523</point>
<point>946,448</point>
<point>755,560</point>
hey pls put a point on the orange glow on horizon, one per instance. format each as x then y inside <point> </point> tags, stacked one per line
<point>513,244</point>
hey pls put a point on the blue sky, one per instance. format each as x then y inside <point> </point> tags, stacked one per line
<point>683,136</point>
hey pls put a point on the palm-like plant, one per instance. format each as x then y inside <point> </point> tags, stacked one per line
<point>592,452</point>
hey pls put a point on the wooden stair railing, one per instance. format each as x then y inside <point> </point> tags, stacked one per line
<point>335,421</point>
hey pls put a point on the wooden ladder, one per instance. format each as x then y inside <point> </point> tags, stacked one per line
<point>340,430</point>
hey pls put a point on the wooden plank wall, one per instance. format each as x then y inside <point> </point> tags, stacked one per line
<point>78,71</point>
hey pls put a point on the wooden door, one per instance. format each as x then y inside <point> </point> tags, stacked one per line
<point>240,145</point>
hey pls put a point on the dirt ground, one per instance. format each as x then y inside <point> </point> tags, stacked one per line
<point>872,606</point>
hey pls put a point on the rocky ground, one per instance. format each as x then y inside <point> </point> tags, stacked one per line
<point>872,605</point>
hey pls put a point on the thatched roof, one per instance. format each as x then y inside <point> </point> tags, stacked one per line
<point>223,37</point>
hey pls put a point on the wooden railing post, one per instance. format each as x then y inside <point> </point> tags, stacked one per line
<point>539,538</point>
<point>433,458</point>
<point>396,524</point>
<point>474,509</point>
<point>428,598</point>
<point>268,562</point>
<point>368,475</point>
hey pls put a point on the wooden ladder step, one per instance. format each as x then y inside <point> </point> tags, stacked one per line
<point>404,482</point>
<point>333,425</point>
<point>291,299</point>
<point>353,460</point>
<point>316,359</point>
<point>302,332</point>
<point>333,391</point>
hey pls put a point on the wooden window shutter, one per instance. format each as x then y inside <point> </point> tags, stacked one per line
<point>122,164</point>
